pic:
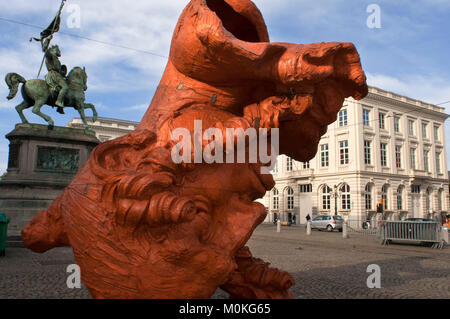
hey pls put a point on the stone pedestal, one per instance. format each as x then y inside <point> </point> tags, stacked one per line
<point>41,164</point>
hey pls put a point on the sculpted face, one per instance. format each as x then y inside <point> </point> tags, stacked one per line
<point>142,226</point>
<point>204,248</point>
<point>55,51</point>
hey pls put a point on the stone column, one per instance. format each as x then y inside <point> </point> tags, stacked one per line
<point>281,205</point>
<point>344,230</point>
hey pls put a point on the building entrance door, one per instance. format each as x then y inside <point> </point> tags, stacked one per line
<point>305,207</point>
<point>415,205</point>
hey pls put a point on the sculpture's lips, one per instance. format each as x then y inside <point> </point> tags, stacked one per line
<point>327,103</point>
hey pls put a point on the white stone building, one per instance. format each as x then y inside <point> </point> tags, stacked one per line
<point>387,147</point>
<point>105,128</point>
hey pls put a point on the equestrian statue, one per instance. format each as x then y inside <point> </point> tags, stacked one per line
<point>58,90</point>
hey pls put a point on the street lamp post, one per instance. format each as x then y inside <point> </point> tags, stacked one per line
<point>335,200</point>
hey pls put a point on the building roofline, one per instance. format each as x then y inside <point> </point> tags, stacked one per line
<point>108,119</point>
<point>405,99</point>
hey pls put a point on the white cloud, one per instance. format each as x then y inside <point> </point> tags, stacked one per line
<point>140,25</point>
<point>138,107</point>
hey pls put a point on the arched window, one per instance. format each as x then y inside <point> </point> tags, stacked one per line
<point>326,198</point>
<point>345,196</point>
<point>428,199</point>
<point>275,201</point>
<point>400,197</point>
<point>289,164</point>
<point>290,198</point>
<point>440,200</point>
<point>368,197</point>
<point>384,196</point>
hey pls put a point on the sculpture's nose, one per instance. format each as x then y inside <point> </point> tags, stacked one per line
<point>348,68</point>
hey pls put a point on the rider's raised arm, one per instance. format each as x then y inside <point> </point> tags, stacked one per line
<point>45,43</point>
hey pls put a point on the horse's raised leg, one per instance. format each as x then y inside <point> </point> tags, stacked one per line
<point>37,111</point>
<point>83,118</point>
<point>94,111</point>
<point>19,108</point>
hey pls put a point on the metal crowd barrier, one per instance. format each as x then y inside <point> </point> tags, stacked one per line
<point>367,228</point>
<point>425,232</point>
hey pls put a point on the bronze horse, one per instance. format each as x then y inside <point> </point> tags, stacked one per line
<point>37,93</point>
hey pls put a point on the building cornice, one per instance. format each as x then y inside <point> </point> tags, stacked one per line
<point>110,120</point>
<point>103,129</point>
<point>407,103</point>
<point>359,174</point>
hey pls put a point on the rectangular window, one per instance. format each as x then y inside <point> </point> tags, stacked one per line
<point>366,117</point>
<point>306,188</point>
<point>398,156</point>
<point>343,118</point>
<point>368,200</point>
<point>412,155</point>
<point>346,203</point>
<point>324,156</point>
<point>326,199</point>
<point>436,133</point>
<point>306,165</point>
<point>343,150</point>
<point>439,198</point>
<point>438,163</point>
<point>399,201</point>
<point>290,202</point>
<point>424,130</point>
<point>368,152</point>
<point>383,153</point>
<point>345,194</point>
<point>411,127</point>
<point>397,124</point>
<point>426,164</point>
<point>415,189</point>
<point>326,204</point>
<point>289,164</point>
<point>381,118</point>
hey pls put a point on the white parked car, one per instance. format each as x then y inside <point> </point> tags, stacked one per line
<point>327,222</point>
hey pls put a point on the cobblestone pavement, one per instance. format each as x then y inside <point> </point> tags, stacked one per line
<point>324,265</point>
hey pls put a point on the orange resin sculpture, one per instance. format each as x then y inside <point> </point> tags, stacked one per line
<point>142,226</point>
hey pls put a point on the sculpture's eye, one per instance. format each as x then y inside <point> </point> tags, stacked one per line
<point>234,22</point>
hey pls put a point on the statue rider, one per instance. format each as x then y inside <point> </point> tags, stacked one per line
<point>56,74</point>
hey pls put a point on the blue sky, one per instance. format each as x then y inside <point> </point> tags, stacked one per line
<point>408,55</point>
